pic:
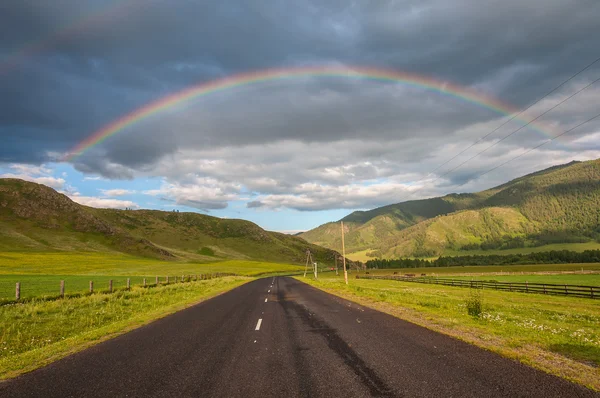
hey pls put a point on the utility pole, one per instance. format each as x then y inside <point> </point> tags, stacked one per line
<point>312,263</point>
<point>344,255</point>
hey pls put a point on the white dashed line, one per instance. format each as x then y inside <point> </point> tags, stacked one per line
<point>258,324</point>
<point>265,300</point>
<point>269,291</point>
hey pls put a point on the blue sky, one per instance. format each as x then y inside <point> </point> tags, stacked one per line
<point>102,192</point>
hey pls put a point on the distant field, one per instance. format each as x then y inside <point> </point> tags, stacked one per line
<point>359,256</point>
<point>576,247</point>
<point>57,263</point>
<point>476,269</point>
<point>40,273</point>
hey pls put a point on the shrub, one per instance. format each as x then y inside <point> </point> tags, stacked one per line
<point>206,251</point>
<point>474,302</point>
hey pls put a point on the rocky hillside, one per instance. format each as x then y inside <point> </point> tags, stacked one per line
<point>36,217</point>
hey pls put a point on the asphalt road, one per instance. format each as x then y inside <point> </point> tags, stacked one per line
<point>277,337</point>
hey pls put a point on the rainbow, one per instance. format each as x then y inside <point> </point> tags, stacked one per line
<point>267,75</point>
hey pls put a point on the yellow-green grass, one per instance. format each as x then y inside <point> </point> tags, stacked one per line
<point>483,269</point>
<point>569,279</point>
<point>360,256</point>
<point>114,264</point>
<point>560,335</point>
<point>576,247</point>
<point>38,332</point>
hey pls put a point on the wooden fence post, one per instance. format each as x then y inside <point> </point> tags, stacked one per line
<point>526,287</point>
<point>144,282</point>
<point>167,280</point>
<point>91,287</point>
<point>566,290</point>
<point>62,288</point>
<point>18,291</point>
<point>156,283</point>
<point>591,291</point>
<point>510,287</point>
<point>544,289</point>
<point>110,286</point>
<point>128,284</point>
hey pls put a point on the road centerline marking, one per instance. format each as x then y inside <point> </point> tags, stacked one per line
<point>265,300</point>
<point>258,324</point>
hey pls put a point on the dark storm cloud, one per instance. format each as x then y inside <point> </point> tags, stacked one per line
<point>68,68</point>
<point>254,204</point>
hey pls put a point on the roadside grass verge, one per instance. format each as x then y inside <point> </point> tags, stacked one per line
<point>38,332</point>
<point>559,335</point>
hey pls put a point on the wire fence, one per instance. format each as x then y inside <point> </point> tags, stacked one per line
<point>592,292</point>
<point>26,287</point>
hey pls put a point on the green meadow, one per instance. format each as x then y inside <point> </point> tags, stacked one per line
<point>489,269</point>
<point>117,264</point>
<point>40,273</point>
<point>569,279</point>
<point>560,335</point>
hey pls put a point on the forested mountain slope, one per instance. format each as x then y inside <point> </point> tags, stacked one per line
<point>557,205</point>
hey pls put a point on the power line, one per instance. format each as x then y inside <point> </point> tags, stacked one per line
<point>516,115</point>
<point>529,150</point>
<point>505,123</point>
<point>522,127</point>
<point>504,138</point>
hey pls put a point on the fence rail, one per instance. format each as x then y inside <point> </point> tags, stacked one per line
<point>48,287</point>
<point>522,287</point>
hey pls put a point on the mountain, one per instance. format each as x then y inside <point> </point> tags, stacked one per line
<point>560,204</point>
<point>34,217</point>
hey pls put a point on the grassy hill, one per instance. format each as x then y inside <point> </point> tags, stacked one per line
<point>36,218</point>
<point>557,205</point>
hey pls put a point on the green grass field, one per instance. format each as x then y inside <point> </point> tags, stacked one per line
<point>560,335</point>
<point>483,269</point>
<point>115,264</point>
<point>577,247</point>
<point>569,279</point>
<point>38,332</point>
<point>40,273</point>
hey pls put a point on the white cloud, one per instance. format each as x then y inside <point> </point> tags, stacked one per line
<point>37,174</point>
<point>116,192</point>
<point>201,193</point>
<point>103,202</point>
